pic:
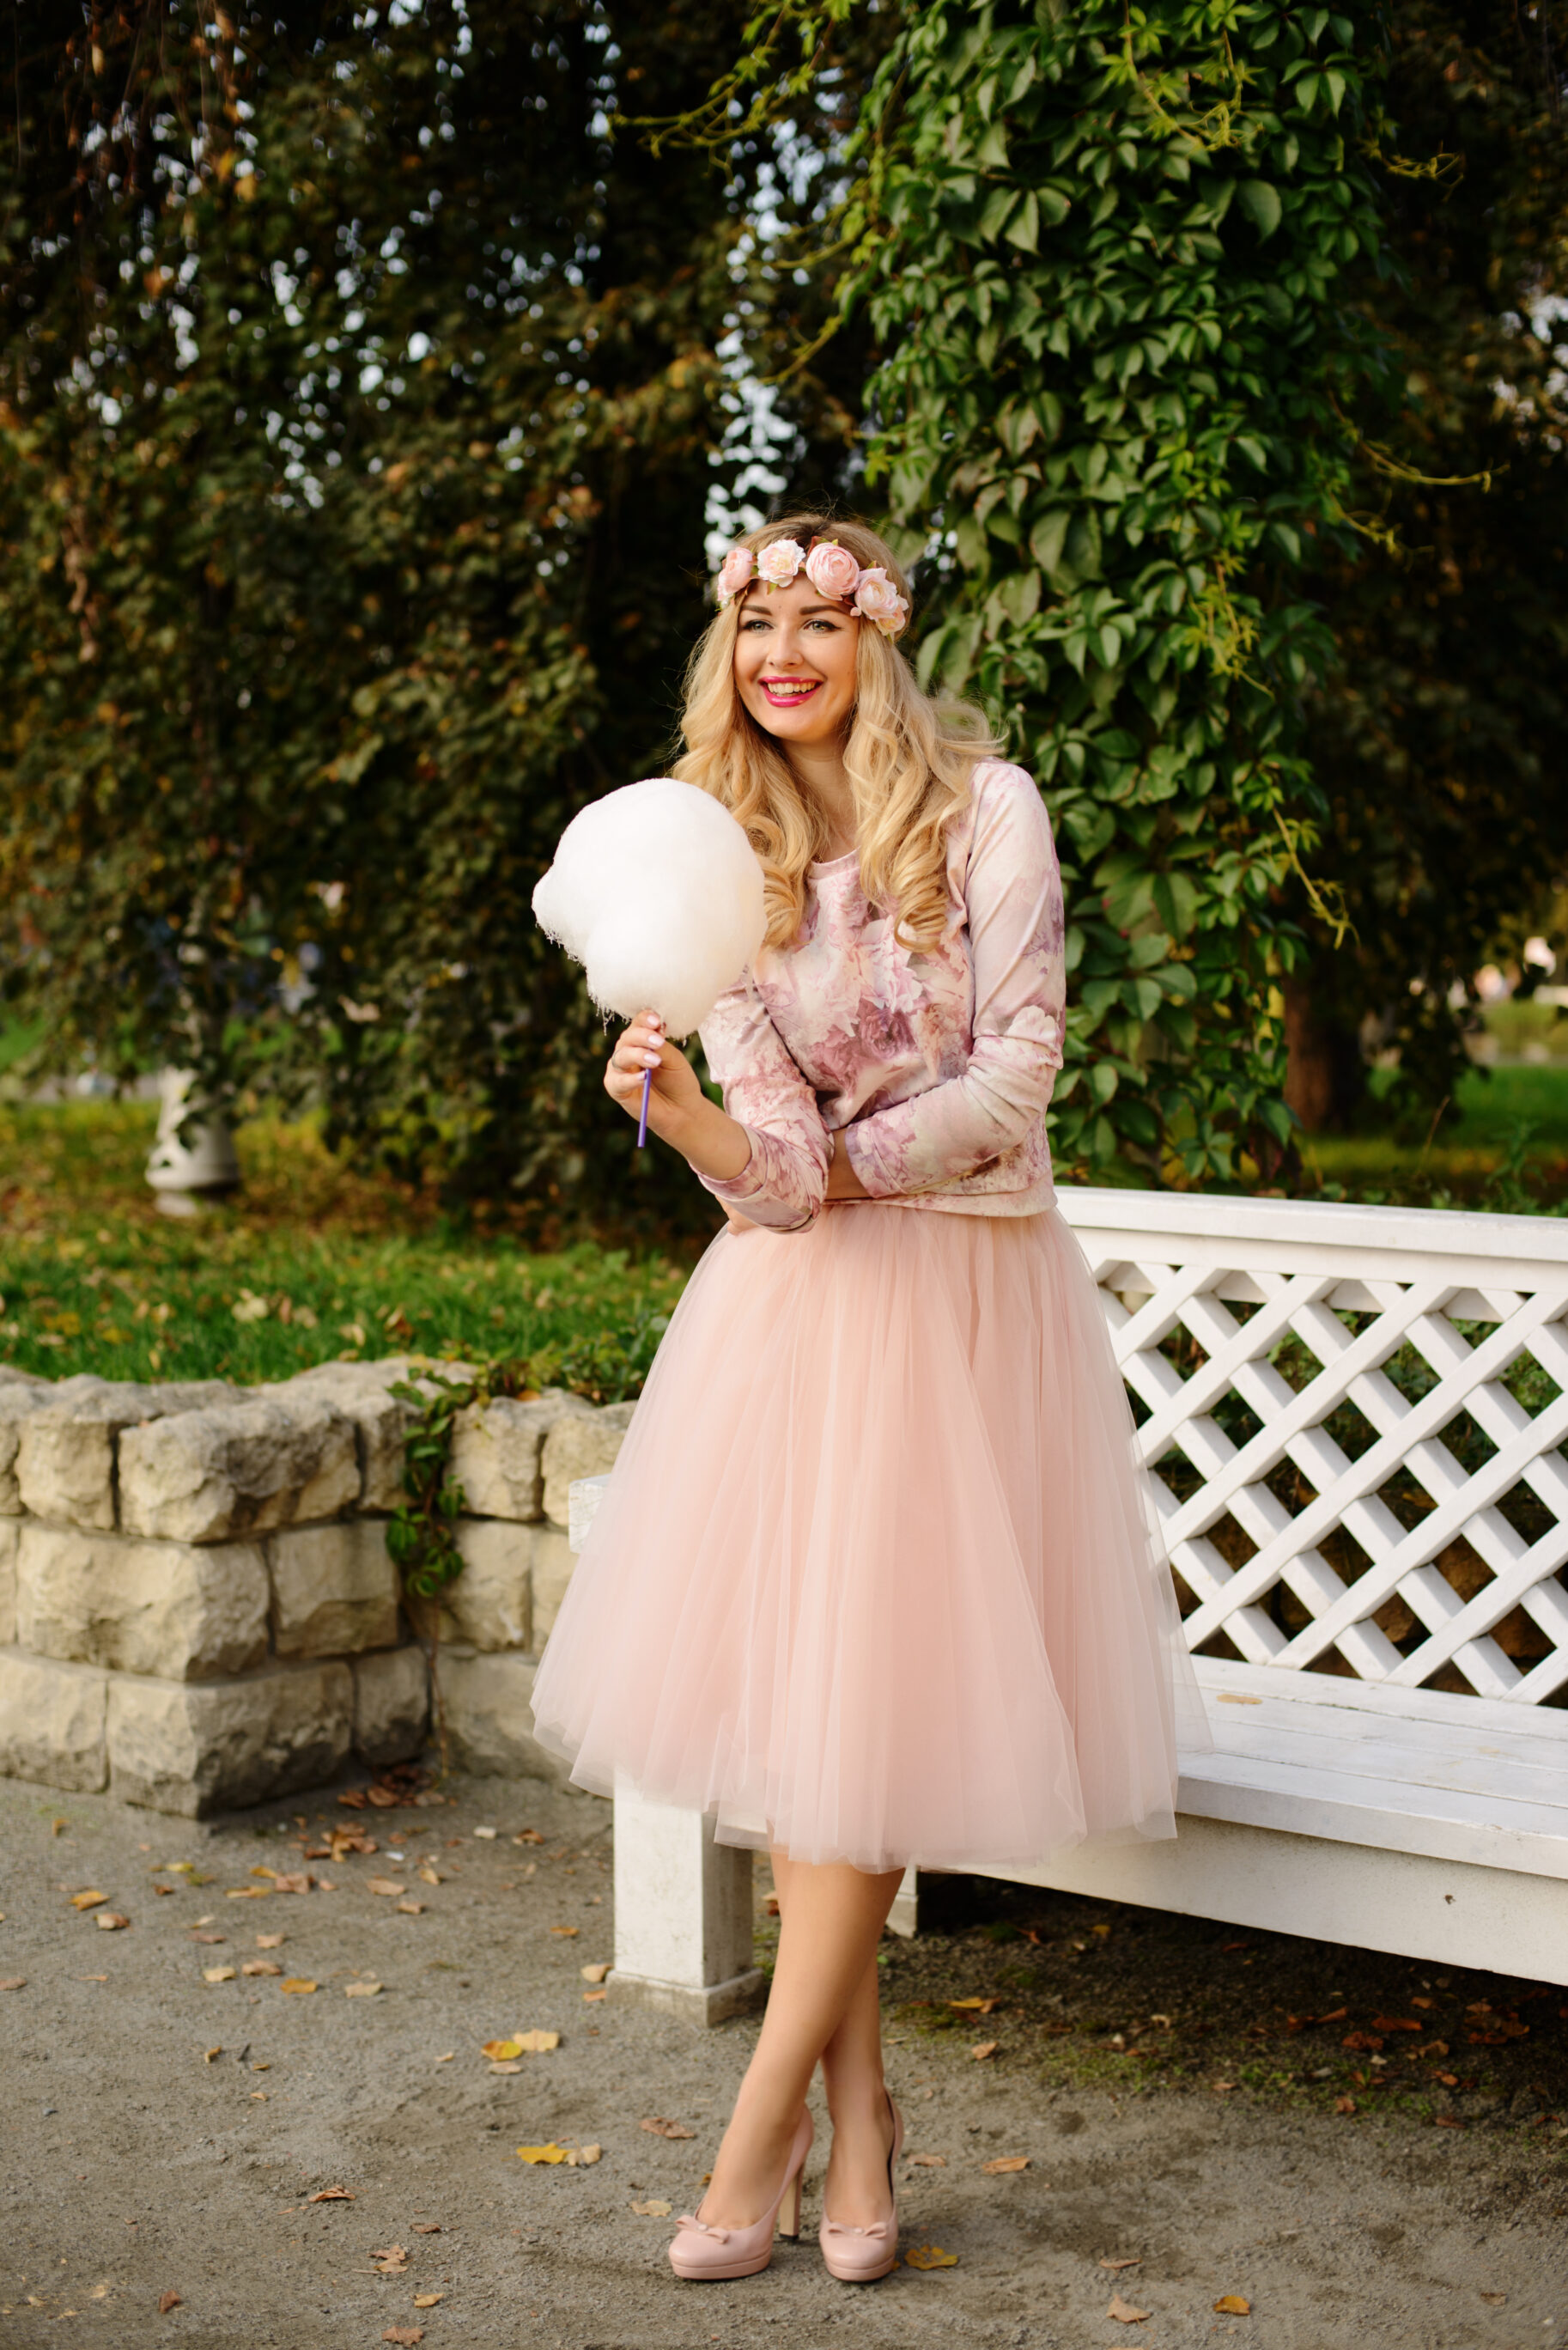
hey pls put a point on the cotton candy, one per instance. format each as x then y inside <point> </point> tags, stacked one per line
<point>658,893</point>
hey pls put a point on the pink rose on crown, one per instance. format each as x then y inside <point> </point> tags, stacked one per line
<point>735,573</point>
<point>833,570</point>
<point>878,601</point>
<point>778,563</point>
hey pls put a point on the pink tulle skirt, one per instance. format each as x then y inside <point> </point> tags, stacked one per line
<point>874,1580</point>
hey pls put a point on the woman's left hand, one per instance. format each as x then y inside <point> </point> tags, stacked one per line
<point>842,1183</point>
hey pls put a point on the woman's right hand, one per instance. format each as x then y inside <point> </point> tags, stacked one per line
<point>643,1045</point>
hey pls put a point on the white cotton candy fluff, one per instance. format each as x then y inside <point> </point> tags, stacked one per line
<point>658,893</point>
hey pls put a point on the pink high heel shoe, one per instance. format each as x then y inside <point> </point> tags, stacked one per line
<point>698,2250</point>
<point>861,2255</point>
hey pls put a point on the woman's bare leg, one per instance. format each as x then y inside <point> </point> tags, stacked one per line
<point>830,1919</point>
<point>856,2191</point>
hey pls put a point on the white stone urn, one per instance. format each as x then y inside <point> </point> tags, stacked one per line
<point>186,1174</point>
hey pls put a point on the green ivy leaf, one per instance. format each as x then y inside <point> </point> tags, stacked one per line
<point>1261,202</point>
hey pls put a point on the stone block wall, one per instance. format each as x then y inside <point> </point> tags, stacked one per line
<point>197,1608</point>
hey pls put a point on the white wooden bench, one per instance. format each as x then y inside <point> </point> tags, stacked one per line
<point>1331,1574</point>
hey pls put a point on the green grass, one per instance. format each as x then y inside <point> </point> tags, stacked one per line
<point>312,1263</point>
<point>1508,1149</point>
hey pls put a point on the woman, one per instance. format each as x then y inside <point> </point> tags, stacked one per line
<point>872,1583</point>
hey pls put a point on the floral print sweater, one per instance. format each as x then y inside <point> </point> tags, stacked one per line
<point>938,1067</point>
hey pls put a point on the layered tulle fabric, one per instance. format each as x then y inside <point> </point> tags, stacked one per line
<point>873,1580</point>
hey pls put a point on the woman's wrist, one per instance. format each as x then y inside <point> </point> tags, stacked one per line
<point>710,1141</point>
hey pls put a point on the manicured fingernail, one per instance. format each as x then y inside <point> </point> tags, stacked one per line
<point>650,1060</point>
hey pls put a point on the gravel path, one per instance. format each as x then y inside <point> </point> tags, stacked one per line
<point>166,2134</point>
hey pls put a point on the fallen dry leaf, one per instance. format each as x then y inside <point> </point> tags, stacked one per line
<point>501,2051</point>
<point>261,1869</point>
<point>931,2256</point>
<point>209,1937</point>
<point>528,1836</point>
<point>1006,2162</point>
<point>507,2068</point>
<point>487,1836</point>
<point>590,1996</point>
<point>412,1908</point>
<point>1397,2023</point>
<point>271,1941</point>
<point>209,2055</point>
<point>427,2227</point>
<point>217,1974</point>
<point>929,2161</point>
<point>391,2259</point>
<point>388,1886</point>
<point>261,1967</point>
<point>657,2125</point>
<point>1234,2304</point>
<point>984,2048</point>
<point>361,1989</point>
<point>247,1893</point>
<point>551,2153</point>
<point>568,1931</point>
<point>110,1921</point>
<point>299,1881</point>
<point>586,2155</point>
<point>1128,2261</point>
<point>656,2208</point>
<point>538,2043</point>
<point>425,2300</point>
<point>298,1983</point>
<point>409,2334</point>
<point>168,2301</point>
<point>1495,2300</point>
<point>331,2195</point>
<point>13,1982</point>
<point>1449,2121</point>
<point>1125,2313</point>
<point>1231,1697</point>
<point>1344,2105</point>
<point>597,1972</point>
<point>386,1799</point>
<point>88,1900</point>
<point>430,1875</point>
<point>976,2006</point>
<point>1223,2088</point>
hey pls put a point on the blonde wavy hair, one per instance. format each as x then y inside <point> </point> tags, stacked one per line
<point>908,757</point>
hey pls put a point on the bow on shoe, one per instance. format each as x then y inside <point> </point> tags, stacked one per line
<point>689,2219</point>
<point>836,2228</point>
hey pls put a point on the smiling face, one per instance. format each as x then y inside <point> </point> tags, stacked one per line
<point>795,664</point>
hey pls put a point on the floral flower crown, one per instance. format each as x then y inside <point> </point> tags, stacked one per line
<point>832,570</point>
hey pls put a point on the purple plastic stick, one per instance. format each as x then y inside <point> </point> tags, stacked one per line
<point>642,1121</point>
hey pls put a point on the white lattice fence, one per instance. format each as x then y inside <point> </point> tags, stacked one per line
<point>1354,1425</point>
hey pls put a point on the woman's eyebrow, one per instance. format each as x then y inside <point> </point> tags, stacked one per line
<point>805,611</point>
